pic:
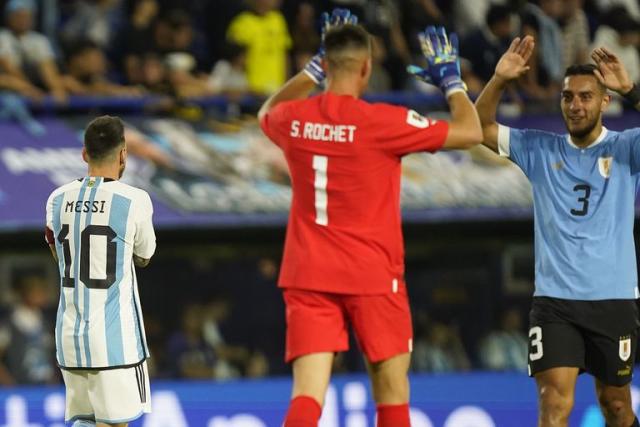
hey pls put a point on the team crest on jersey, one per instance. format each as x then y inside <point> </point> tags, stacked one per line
<point>604,166</point>
<point>417,120</point>
<point>625,348</point>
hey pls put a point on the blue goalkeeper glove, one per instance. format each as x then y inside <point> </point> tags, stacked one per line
<point>443,64</point>
<point>338,17</point>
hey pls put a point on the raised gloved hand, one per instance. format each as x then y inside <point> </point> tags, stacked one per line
<point>443,64</point>
<point>338,17</point>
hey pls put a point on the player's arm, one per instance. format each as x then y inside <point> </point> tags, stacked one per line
<point>612,74</point>
<point>49,237</point>
<point>443,71</point>
<point>302,84</point>
<point>299,86</point>
<point>141,262</point>
<point>144,245</point>
<point>510,67</point>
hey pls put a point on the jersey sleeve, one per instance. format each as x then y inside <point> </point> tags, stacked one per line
<point>518,145</point>
<point>402,131</point>
<point>632,137</point>
<point>145,238</point>
<point>275,125</point>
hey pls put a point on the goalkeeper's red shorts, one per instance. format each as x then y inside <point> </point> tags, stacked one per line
<point>318,322</point>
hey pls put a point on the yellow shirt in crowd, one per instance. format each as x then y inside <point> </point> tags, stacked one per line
<point>267,40</point>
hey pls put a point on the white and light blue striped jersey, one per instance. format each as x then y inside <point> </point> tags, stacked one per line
<point>98,225</point>
<point>584,211</point>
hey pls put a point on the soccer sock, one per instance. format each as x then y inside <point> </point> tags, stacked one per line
<point>84,423</point>
<point>393,415</point>
<point>304,411</point>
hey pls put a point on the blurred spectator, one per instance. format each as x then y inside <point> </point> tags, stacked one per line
<point>87,73</point>
<point>232,359</point>
<point>631,7</point>
<point>139,145</point>
<point>471,15</point>
<point>621,34</point>
<point>575,33</point>
<point>505,349</point>
<point>438,348</point>
<point>537,84</point>
<point>229,75</point>
<point>138,39</point>
<point>263,31</point>
<point>189,355</point>
<point>382,19</point>
<point>380,80</point>
<point>548,36</point>
<point>93,20</point>
<point>26,340</point>
<point>304,33</point>
<point>27,55</point>
<point>482,48</point>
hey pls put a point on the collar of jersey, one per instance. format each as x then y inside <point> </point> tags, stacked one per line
<point>598,140</point>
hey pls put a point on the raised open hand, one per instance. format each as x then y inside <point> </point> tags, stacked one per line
<point>513,62</point>
<point>610,71</point>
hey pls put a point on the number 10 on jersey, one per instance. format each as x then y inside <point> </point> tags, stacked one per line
<point>320,184</point>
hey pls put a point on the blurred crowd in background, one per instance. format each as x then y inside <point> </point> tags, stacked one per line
<point>195,48</point>
<point>212,319</point>
<point>222,317</point>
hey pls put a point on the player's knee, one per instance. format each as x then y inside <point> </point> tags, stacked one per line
<point>390,386</point>
<point>555,403</point>
<point>614,406</point>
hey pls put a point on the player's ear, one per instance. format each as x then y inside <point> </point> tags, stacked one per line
<point>606,100</point>
<point>85,156</point>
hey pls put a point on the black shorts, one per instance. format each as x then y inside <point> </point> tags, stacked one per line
<point>599,337</point>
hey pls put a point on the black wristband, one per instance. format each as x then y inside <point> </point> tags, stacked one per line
<point>633,96</point>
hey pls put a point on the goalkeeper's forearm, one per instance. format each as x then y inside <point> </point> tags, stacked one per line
<point>298,87</point>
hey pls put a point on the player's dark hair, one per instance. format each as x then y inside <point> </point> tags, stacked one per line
<point>580,70</point>
<point>583,70</point>
<point>346,37</point>
<point>102,136</point>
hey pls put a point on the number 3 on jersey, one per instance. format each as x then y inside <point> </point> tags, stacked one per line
<point>535,349</point>
<point>320,164</point>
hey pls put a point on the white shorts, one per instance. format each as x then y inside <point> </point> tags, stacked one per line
<point>109,396</point>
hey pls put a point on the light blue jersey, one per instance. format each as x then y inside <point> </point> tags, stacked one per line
<point>97,227</point>
<point>584,211</point>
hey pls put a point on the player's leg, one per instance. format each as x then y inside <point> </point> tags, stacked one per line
<point>611,339</point>
<point>615,403</point>
<point>311,374</point>
<point>382,324</point>
<point>556,388</point>
<point>120,396</point>
<point>316,329</point>
<point>556,357</point>
<point>390,386</point>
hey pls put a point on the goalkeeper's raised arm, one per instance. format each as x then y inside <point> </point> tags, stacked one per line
<point>443,70</point>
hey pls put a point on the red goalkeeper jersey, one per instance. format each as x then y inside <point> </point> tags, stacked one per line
<point>344,233</point>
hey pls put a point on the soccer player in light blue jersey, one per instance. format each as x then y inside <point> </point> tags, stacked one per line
<point>584,316</point>
<point>97,229</point>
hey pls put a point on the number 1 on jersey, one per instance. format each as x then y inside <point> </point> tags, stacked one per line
<point>320,184</point>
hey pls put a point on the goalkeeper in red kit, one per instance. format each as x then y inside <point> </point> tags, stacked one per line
<point>343,260</point>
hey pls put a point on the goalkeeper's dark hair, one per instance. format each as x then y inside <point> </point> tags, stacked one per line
<point>102,136</point>
<point>345,38</point>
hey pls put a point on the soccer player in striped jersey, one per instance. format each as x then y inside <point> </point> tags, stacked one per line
<point>343,260</point>
<point>584,316</point>
<point>99,228</point>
